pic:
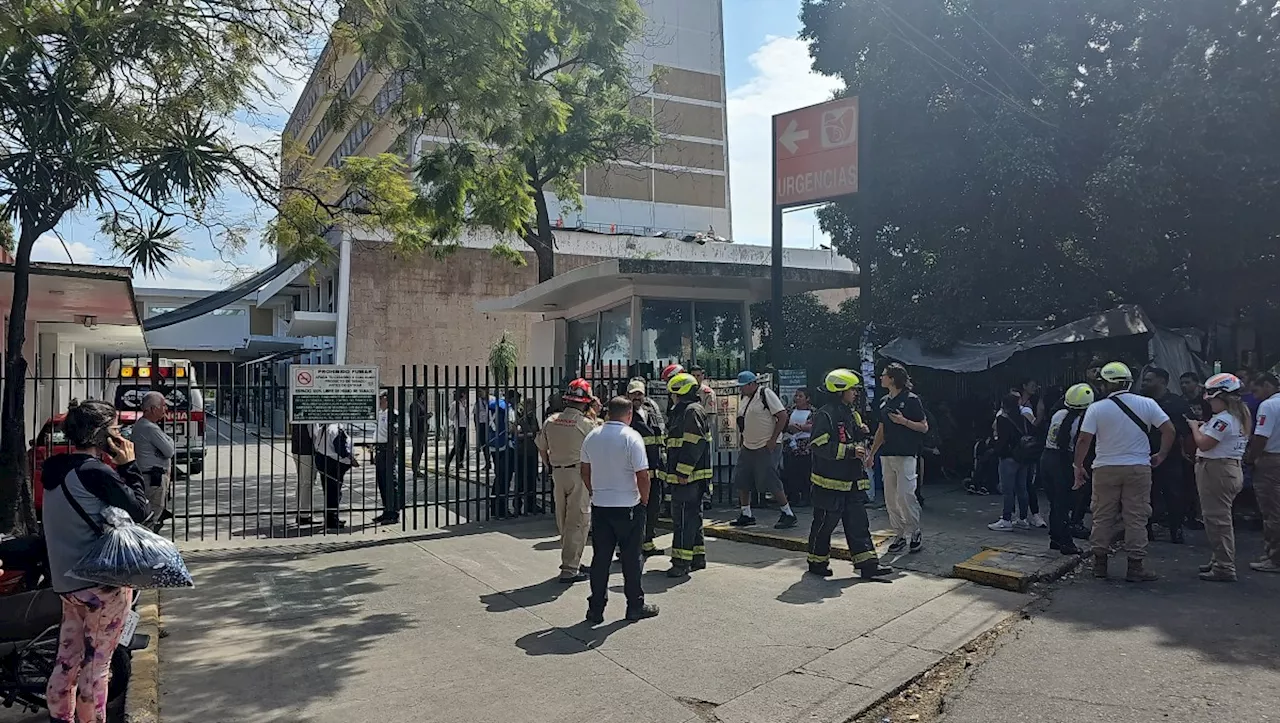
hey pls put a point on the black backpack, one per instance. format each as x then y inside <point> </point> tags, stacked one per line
<point>1028,447</point>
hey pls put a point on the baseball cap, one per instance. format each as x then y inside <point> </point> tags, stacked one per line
<point>636,385</point>
<point>747,377</point>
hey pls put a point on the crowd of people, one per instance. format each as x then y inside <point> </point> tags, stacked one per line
<point>1130,459</point>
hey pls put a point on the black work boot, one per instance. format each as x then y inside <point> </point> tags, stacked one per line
<point>678,569</point>
<point>821,569</point>
<point>699,563</point>
<point>874,569</point>
<point>648,610</point>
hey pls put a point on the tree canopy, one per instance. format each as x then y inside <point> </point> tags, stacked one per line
<point>1043,160</point>
<point>125,110</point>
<point>523,96</point>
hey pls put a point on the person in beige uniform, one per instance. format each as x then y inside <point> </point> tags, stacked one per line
<point>560,444</point>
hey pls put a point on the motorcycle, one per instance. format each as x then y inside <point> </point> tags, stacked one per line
<point>30,622</point>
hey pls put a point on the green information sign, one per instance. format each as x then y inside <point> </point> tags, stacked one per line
<point>326,394</point>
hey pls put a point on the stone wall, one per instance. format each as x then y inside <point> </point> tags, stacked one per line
<point>421,310</point>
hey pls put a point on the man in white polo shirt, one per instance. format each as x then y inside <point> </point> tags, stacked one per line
<point>615,468</point>
<point>1121,425</point>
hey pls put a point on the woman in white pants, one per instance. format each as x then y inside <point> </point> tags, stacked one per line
<point>899,442</point>
<point>303,449</point>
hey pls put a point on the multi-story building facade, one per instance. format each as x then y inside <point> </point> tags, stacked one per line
<point>683,184</point>
<point>388,309</point>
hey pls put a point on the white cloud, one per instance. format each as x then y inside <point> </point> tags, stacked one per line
<point>185,272</point>
<point>782,80</point>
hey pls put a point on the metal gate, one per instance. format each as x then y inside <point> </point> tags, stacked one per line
<point>237,463</point>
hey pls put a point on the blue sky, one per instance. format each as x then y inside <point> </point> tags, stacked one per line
<point>767,71</point>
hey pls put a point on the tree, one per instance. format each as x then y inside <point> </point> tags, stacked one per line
<point>1045,160</point>
<point>123,109</point>
<point>816,336</point>
<point>531,93</point>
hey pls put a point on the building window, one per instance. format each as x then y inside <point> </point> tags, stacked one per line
<point>153,311</point>
<point>615,335</point>
<point>582,348</point>
<point>666,330</point>
<point>228,312</point>
<point>718,334</point>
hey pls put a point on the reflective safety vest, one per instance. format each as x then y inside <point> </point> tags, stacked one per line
<point>838,433</point>
<point>688,445</point>
<point>645,422</point>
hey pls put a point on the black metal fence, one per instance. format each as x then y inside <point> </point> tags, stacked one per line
<point>237,469</point>
<point>239,473</point>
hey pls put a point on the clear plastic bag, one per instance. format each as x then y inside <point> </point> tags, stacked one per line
<point>130,555</point>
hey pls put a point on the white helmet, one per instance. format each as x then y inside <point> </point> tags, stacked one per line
<point>1223,383</point>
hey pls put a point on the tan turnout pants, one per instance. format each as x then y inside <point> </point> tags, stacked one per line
<point>573,516</point>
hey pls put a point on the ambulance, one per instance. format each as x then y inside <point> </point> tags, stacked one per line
<point>130,378</point>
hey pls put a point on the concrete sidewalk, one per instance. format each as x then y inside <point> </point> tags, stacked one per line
<point>956,539</point>
<point>470,627</point>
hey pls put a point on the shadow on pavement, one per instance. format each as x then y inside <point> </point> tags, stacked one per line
<point>579,638</point>
<point>655,582</point>
<point>541,593</point>
<point>1230,623</point>
<point>231,647</point>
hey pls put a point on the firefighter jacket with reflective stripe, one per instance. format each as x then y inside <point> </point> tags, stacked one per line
<point>838,432</point>
<point>645,422</point>
<point>688,445</point>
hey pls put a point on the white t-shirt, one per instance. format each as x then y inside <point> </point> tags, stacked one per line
<point>1055,424</point>
<point>758,416</point>
<point>1231,437</point>
<point>1118,441</point>
<point>1268,417</point>
<point>615,453</point>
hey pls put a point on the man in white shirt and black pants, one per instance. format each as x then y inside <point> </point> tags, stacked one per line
<point>615,468</point>
<point>1120,424</point>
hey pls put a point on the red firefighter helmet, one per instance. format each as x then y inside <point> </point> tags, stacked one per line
<point>579,391</point>
<point>671,370</point>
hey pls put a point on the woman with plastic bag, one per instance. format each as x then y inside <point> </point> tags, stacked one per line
<point>79,487</point>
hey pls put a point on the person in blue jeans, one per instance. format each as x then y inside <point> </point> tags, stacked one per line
<point>1010,428</point>
<point>502,447</point>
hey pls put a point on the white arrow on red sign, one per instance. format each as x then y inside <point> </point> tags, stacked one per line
<point>792,136</point>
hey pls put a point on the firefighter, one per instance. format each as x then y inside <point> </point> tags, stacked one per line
<point>560,444</point>
<point>646,421</point>
<point>669,372</point>
<point>838,448</point>
<point>688,469</point>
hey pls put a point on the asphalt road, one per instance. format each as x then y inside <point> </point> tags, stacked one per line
<point>1173,651</point>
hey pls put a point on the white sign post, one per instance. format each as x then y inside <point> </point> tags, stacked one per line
<point>327,394</point>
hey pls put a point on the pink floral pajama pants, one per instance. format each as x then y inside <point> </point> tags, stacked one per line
<point>92,621</point>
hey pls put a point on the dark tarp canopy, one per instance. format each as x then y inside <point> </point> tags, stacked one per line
<point>996,343</point>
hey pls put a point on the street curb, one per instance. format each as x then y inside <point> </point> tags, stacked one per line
<point>984,568</point>
<point>142,700</point>
<point>768,539</point>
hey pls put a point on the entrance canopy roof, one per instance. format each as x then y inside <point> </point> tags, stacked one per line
<point>91,305</point>
<point>672,279</point>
